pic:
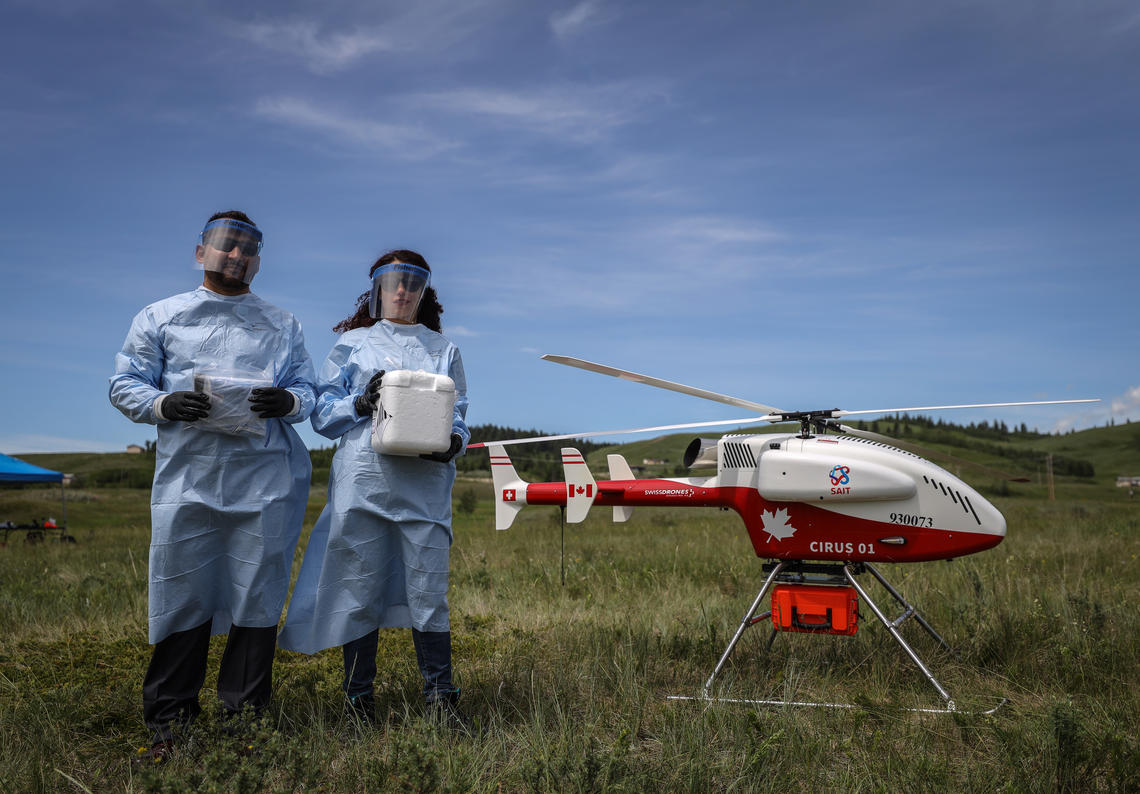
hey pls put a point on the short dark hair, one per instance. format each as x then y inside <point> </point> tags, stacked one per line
<point>236,215</point>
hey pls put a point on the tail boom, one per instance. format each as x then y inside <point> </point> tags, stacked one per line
<point>634,493</point>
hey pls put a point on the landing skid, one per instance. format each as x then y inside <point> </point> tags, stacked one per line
<point>793,571</point>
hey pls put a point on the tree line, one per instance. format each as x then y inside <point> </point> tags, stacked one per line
<point>541,462</point>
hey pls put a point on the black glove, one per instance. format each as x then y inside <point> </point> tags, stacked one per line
<point>185,406</point>
<point>365,404</point>
<point>270,402</point>
<point>452,451</point>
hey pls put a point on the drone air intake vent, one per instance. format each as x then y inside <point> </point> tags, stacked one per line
<point>738,456</point>
<point>955,496</point>
<point>873,443</point>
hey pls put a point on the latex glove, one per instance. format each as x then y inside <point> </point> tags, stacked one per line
<point>185,406</point>
<point>271,402</point>
<point>451,452</point>
<point>365,404</point>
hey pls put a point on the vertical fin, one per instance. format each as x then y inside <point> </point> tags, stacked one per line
<point>510,490</point>
<point>619,470</point>
<point>581,490</point>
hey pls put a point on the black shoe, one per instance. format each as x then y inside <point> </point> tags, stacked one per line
<point>361,708</point>
<point>444,712</point>
<point>159,753</point>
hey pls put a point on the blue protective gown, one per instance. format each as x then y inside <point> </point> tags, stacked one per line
<point>226,510</point>
<point>379,553</point>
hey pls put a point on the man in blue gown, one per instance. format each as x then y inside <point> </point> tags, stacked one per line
<point>224,375</point>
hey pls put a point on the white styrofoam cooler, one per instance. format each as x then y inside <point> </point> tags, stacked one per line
<point>414,413</point>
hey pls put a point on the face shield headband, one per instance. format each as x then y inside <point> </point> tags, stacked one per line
<point>218,241</point>
<point>397,289</point>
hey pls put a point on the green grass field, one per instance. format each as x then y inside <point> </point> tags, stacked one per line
<point>568,683</point>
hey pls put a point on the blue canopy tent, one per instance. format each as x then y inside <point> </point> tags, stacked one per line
<point>13,470</point>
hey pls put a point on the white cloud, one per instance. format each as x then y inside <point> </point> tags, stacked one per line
<point>324,52</point>
<point>459,330</point>
<point>718,230</point>
<point>342,38</point>
<point>1127,404</point>
<point>407,141</point>
<point>1065,424</point>
<point>632,178</point>
<point>1130,22</point>
<point>577,18</point>
<point>573,112</point>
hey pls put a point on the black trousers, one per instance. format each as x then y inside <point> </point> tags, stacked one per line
<point>178,669</point>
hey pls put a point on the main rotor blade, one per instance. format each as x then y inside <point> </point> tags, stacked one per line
<point>746,421</point>
<point>927,452</point>
<point>837,414</point>
<point>648,380</point>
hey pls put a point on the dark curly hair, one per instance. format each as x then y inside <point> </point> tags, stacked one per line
<point>430,308</point>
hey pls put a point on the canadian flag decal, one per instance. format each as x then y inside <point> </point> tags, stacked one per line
<point>508,494</point>
<point>578,490</point>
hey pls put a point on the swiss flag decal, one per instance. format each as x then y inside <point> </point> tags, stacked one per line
<point>508,494</point>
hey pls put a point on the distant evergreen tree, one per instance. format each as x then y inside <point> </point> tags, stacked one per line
<point>540,462</point>
<point>536,462</point>
<point>468,501</point>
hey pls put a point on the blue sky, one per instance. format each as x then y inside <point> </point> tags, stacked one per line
<point>854,204</point>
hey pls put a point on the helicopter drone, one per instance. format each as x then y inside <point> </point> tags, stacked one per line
<point>824,505</point>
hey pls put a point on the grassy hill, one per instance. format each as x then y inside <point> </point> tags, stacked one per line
<point>99,469</point>
<point>1114,450</point>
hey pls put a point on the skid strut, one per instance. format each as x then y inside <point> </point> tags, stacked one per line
<point>793,572</point>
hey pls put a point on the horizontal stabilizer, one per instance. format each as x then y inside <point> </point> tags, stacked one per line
<point>581,490</point>
<point>619,470</point>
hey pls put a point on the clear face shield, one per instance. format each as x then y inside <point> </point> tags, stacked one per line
<point>230,247</point>
<point>397,289</point>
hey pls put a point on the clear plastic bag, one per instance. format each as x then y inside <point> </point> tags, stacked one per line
<point>228,389</point>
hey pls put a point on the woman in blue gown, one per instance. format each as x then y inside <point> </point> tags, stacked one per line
<point>378,555</point>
